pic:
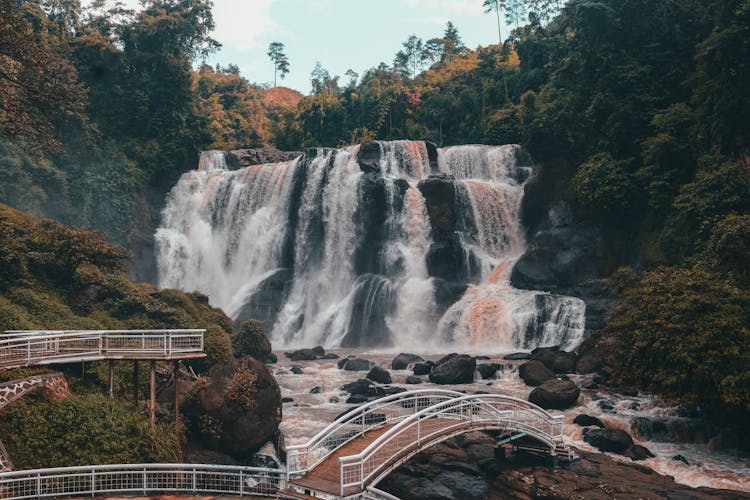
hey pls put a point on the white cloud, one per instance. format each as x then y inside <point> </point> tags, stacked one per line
<point>244,25</point>
<point>450,6</point>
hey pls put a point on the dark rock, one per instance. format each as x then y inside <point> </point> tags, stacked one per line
<point>240,158</point>
<point>458,369</point>
<point>638,452</point>
<point>589,362</point>
<point>368,157</point>
<point>411,379</point>
<point>481,358</point>
<point>373,298</point>
<point>589,384</point>
<point>680,458</point>
<point>379,375</point>
<point>469,469</point>
<point>391,390</point>
<point>361,386</point>
<point>287,400</point>
<point>316,390</point>
<point>330,355</point>
<point>606,405</point>
<point>358,365</point>
<point>342,363</point>
<point>319,351</point>
<point>587,420</point>
<point>627,391</point>
<point>270,358</point>
<point>403,360</point>
<point>422,368</point>
<point>447,293</point>
<point>556,360</point>
<point>517,356</point>
<point>356,399</point>
<point>296,369</point>
<point>614,440</point>
<point>555,394</point>
<point>488,371</point>
<point>236,429</point>
<point>303,355</point>
<point>535,373</point>
<point>265,302</point>
<point>333,399</point>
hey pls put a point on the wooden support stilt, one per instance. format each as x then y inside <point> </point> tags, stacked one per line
<point>111,379</point>
<point>152,401</point>
<point>135,381</point>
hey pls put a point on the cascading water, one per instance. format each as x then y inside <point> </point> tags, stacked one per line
<point>385,244</point>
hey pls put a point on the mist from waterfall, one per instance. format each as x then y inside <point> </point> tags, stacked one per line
<point>329,252</point>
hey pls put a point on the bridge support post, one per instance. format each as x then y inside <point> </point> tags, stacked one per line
<point>135,382</point>
<point>152,401</point>
<point>111,379</point>
<point>176,375</point>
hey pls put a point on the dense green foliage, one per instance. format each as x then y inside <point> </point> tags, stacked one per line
<point>252,340</point>
<point>53,277</point>
<point>83,430</point>
<point>687,335</point>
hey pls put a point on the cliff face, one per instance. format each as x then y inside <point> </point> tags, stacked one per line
<point>567,253</point>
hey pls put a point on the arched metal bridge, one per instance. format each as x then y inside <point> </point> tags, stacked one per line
<point>350,456</point>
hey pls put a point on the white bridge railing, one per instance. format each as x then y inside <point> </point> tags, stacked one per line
<point>141,479</point>
<point>25,348</point>
<point>442,420</point>
<point>304,457</point>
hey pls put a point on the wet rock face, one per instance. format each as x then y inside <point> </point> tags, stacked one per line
<point>257,156</point>
<point>555,394</point>
<point>456,369</point>
<point>237,410</point>
<point>403,360</point>
<point>535,373</point>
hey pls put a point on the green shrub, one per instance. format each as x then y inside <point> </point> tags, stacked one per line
<point>604,185</point>
<point>252,340</point>
<point>218,346</point>
<point>83,430</point>
<point>685,333</point>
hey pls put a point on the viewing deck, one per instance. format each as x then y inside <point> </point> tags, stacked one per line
<point>31,348</point>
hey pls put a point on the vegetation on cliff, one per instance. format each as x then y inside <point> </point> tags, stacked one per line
<point>54,277</point>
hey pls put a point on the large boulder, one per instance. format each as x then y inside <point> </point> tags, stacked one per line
<point>236,410</point>
<point>535,373</point>
<point>379,375</point>
<point>422,368</point>
<point>555,394</point>
<point>240,158</point>
<point>556,360</point>
<point>403,360</point>
<point>358,365</point>
<point>361,386</point>
<point>587,420</point>
<point>456,369</point>
<point>614,440</point>
<point>303,355</point>
<point>488,370</point>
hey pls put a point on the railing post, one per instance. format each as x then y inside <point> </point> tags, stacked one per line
<point>144,482</point>
<point>342,478</point>
<point>28,351</point>
<point>195,481</point>
<point>38,485</point>
<point>93,482</point>
<point>242,484</point>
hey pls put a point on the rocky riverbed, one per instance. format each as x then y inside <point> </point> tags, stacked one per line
<point>684,457</point>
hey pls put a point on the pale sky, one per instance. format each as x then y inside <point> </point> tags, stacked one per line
<point>341,34</point>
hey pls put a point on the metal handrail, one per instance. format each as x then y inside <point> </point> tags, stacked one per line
<point>302,452</point>
<point>35,347</point>
<point>141,478</point>
<point>462,409</point>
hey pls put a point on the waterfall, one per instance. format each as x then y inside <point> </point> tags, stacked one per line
<point>385,244</point>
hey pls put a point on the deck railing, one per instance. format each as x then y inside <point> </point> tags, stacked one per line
<point>26,348</point>
<point>478,411</point>
<point>141,479</point>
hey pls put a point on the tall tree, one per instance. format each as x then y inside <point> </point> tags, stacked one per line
<point>279,59</point>
<point>412,57</point>
<point>495,6</point>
